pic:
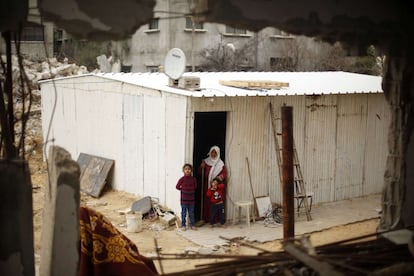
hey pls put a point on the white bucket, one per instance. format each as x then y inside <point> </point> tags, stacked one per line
<point>134,222</point>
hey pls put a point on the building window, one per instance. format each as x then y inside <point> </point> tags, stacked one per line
<point>33,32</point>
<point>189,24</point>
<point>196,69</point>
<point>232,30</point>
<point>126,68</point>
<point>282,34</point>
<point>153,69</point>
<point>58,33</point>
<point>281,64</point>
<point>153,25</point>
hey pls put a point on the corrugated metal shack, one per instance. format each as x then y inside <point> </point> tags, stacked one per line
<point>151,129</point>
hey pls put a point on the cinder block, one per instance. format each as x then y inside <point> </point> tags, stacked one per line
<point>167,219</point>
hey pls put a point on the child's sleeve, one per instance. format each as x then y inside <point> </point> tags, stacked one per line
<point>179,184</point>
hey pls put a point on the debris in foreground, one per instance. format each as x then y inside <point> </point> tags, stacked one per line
<point>374,254</point>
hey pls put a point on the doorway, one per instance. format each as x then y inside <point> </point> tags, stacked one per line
<point>209,130</point>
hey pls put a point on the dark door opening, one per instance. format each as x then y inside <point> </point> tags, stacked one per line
<point>209,130</point>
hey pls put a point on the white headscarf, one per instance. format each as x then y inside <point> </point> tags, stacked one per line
<point>216,164</point>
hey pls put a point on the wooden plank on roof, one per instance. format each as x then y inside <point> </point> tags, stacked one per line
<point>255,84</point>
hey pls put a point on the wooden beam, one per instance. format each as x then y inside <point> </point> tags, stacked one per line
<point>254,84</point>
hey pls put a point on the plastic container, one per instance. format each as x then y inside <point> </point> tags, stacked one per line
<point>134,222</point>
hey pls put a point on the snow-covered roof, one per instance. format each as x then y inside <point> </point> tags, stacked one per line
<point>299,83</point>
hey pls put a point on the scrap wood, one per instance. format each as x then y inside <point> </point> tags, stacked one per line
<point>364,257</point>
<point>323,268</point>
<point>241,242</point>
<point>254,84</point>
<point>96,171</point>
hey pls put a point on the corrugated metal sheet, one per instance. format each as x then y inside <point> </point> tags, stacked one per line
<point>320,142</point>
<point>133,122</point>
<point>351,139</point>
<point>378,122</point>
<point>297,103</point>
<point>175,145</point>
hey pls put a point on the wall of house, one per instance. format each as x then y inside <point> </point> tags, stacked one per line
<point>125,123</point>
<point>149,47</point>
<point>341,142</point>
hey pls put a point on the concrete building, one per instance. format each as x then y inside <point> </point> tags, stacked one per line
<point>207,46</point>
<point>151,129</point>
<point>266,50</point>
<point>36,39</point>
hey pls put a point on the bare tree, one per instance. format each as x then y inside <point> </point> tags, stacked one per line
<point>227,57</point>
<point>299,54</point>
<point>296,56</point>
<point>330,58</point>
<point>291,54</point>
<point>14,90</point>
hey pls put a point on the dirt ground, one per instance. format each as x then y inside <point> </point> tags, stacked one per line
<point>167,240</point>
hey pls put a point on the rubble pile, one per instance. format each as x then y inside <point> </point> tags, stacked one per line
<point>35,71</point>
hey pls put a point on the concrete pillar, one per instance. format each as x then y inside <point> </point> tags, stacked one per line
<point>16,219</point>
<point>59,253</point>
<point>398,80</point>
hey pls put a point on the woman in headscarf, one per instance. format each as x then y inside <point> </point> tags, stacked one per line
<point>210,168</point>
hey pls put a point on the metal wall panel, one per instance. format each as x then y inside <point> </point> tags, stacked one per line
<point>99,124</point>
<point>248,148</point>
<point>299,117</point>
<point>320,146</point>
<point>61,122</point>
<point>350,146</point>
<point>376,150</point>
<point>174,158</point>
<point>154,145</point>
<point>133,126</point>
<point>164,147</point>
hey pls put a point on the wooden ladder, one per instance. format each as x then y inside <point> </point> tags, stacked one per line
<point>300,191</point>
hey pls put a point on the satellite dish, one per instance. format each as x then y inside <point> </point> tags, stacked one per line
<point>174,64</point>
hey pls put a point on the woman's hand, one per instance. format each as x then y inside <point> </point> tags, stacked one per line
<point>203,164</point>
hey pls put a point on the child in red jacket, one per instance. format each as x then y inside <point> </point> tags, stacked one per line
<point>215,194</point>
